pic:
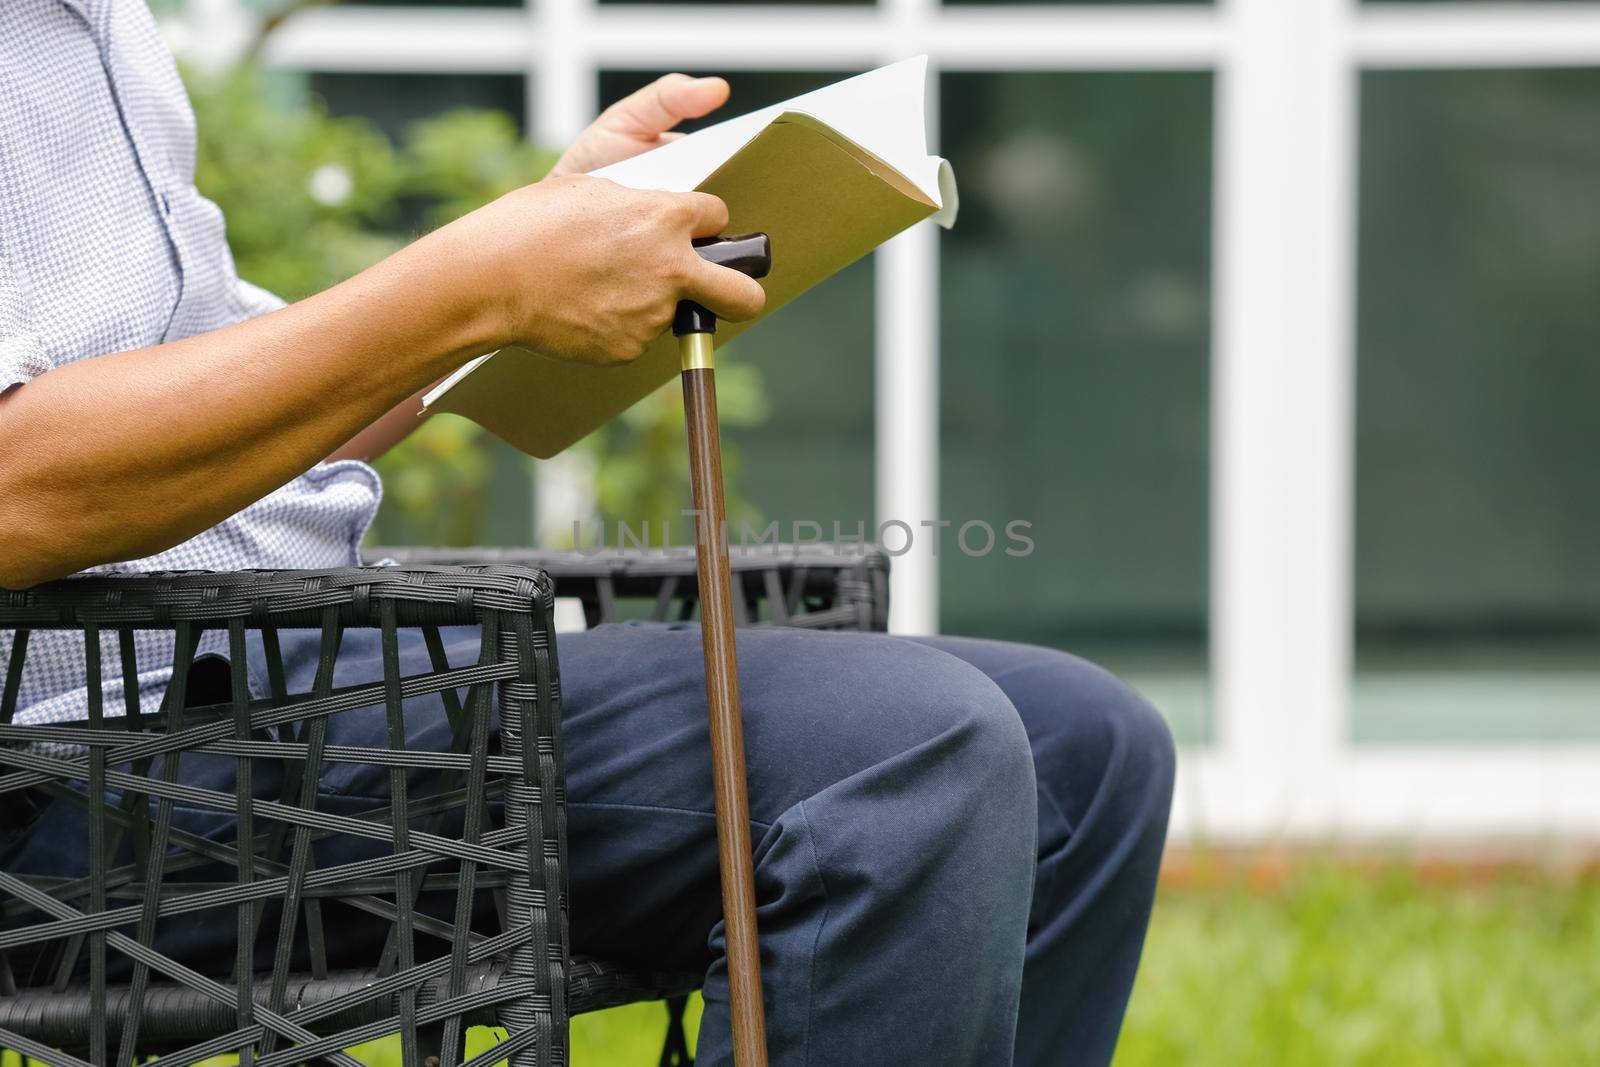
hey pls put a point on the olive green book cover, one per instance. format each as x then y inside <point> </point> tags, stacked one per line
<point>828,175</point>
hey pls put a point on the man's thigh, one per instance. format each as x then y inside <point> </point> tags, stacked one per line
<point>818,708</point>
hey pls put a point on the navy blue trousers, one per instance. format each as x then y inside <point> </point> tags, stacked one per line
<point>957,840</point>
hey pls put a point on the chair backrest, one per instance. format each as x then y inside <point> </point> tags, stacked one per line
<point>208,867</point>
<point>828,586</point>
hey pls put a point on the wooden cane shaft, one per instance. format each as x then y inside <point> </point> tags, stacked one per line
<point>722,704</point>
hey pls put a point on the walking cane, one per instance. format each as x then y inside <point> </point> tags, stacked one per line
<point>694,326</point>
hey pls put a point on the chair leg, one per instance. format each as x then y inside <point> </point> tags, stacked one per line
<point>675,1050</point>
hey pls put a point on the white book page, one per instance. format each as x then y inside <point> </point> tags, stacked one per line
<point>881,110</point>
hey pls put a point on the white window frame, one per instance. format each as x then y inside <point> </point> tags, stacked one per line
<point>1281,764</point>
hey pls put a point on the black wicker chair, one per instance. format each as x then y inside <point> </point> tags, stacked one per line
<point>82,980</point>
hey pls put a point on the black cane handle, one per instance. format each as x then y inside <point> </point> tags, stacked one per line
<point>749,253</point>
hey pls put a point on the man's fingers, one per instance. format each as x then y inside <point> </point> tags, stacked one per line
<point>664,103</point>
<point>725,292</point>
<point>708,215</point>
<point>690,98</point>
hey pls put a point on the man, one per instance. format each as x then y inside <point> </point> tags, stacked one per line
<point>957,839</point>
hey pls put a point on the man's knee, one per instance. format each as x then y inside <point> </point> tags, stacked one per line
<point>969,761</point>
<point>929,793</point>
<point>931,712</point>
<point>821,709</point>
<point>989,764</point>
<point>1100,744</point>
<point>1138,735</point>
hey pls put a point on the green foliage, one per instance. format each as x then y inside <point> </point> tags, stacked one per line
<point>463,159</point>
<point>309,199</point>
<point>643,469</point>
<point>435,486</point>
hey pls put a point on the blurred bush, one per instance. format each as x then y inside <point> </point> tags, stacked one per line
<point>643,463</point>
<point>311,199</point>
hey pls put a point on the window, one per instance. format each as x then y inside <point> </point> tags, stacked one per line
<point>395,101</point>
<point>1075,368</point>
<point>1477,506</point>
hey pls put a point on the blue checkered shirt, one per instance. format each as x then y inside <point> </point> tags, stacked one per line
<point>105,246</point>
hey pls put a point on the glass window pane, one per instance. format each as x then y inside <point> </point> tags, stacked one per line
<point>1078,3</point>
<point>758,3</point>
<point>1474,3</point>
<point>799,445</point>
<point>1075,368</point>
<point>1477,555</point>
<point>395,101</point>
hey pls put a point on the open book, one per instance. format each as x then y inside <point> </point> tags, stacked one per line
<point>829,175</point>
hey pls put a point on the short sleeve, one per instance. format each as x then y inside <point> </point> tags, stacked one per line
<point>254,300</point>
<point>22,357</point>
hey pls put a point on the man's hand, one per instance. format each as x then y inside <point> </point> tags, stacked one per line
<point>633,125</point>
<point>581,268</point>
<point>642,121</point>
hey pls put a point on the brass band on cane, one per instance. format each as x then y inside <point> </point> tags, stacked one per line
<point>695,351</point>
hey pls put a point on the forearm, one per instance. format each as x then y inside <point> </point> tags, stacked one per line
<point>392,427</point>
<point>124,455</point>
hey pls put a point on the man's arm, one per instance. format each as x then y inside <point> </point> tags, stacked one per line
<point>125,455</point>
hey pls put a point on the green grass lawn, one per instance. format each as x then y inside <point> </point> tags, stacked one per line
<point>1330,967</point>
<point>1343,968</point>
